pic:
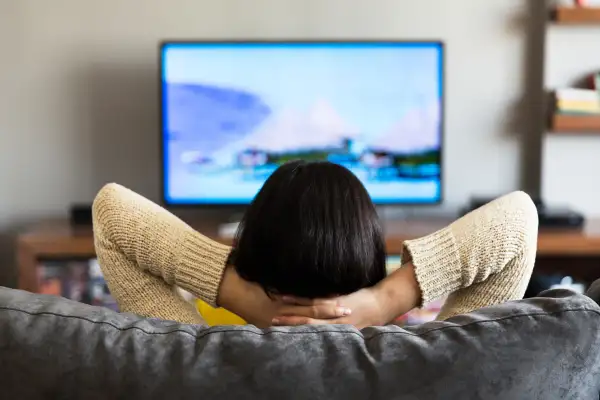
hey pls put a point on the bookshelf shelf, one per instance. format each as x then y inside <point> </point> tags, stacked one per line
<point>588,124</point>
<point>576,15</point>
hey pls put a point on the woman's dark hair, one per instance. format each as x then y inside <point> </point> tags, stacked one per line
<point>311,231</point>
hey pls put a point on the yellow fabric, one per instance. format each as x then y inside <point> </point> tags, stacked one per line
<point>217,316</point>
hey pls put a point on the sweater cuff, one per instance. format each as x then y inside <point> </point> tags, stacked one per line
<point>201,267</point>
<point>436,261</point>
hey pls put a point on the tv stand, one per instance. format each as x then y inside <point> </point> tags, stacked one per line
<point>571,252</point>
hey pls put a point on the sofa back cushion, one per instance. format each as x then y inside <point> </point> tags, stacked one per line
<point>541,348</point>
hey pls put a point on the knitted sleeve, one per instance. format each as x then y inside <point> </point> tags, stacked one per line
<point>145,252</point>
<point>483,258</point>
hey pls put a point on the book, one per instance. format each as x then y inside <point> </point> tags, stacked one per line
<point>578,106</point>
<point>577,113</point>
<point>595,81</point>
<point>575,94</point>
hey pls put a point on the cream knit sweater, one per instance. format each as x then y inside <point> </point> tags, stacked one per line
<point>484,258</point>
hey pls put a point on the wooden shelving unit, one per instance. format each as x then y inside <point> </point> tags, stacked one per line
<point>584,124</point>
<point>576,15</point>
<point>575,124</point>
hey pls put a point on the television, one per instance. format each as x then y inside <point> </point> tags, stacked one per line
<point>233,111</point>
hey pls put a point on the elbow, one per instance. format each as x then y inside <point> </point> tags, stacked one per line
<point>524,214</point>
<point>103,207</point>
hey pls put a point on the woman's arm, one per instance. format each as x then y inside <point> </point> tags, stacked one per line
<point>144,251</point>
<point>483,258</point>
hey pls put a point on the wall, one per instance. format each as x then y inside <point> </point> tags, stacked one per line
<point>80,104</point>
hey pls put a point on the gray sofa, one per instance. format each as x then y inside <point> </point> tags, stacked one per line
<point>542,348</point>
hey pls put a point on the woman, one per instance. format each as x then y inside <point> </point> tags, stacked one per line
<point>311,232</point>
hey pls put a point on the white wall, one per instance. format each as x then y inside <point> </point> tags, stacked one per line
<point>80,107</point>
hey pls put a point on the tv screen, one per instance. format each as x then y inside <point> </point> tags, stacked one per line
<point>232,112</point>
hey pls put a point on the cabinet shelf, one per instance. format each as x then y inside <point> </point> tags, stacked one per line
<point>565,123</point>
<point>576,15</point>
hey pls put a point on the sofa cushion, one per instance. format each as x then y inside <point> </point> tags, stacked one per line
<point>543,348</point>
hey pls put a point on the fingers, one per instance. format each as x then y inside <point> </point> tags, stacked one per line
<point>296,321</point>
<point>313,308</point>
<point>299,301</point>
<point>318,311</point>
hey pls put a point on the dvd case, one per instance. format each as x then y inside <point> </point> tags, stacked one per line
<point>79,280</point>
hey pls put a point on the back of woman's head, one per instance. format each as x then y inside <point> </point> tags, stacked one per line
<point>311,231</point>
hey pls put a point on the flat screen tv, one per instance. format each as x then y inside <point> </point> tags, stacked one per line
<point>232,112</point>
